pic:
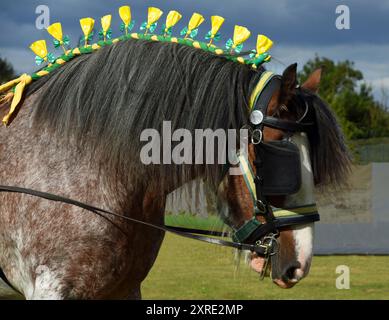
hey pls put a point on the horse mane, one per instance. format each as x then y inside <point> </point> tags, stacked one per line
<point>106,99</point>
<point>331,160</point>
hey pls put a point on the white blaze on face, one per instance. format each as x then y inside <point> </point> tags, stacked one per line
<point>303,234</point>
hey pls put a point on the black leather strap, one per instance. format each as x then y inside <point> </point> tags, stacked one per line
<point>285,125</point>
<point>52,197</point>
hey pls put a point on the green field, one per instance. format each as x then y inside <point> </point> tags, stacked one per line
<point>188,269</point>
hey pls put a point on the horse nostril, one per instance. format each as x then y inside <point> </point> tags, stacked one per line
<point>289,273</point>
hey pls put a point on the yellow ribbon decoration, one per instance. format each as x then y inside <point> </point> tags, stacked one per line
<point>195,22</point>
<point>125,15</point>
<point>106,24</point>
<point>55,30</point>
<point>217,22</point>
<point>40,49</point>
<point>153,16</point>
<point>241,34</point>
<point>87,25</point>
<point>264,44</point>
<point>20,83</point>
<point>172,19</point>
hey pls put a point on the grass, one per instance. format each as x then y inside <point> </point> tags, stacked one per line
<point>188,269</point>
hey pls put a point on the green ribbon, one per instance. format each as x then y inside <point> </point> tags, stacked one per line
<point>88,38</point>
<point>184,31</point>
<point>129,27</point>
<point>216,37</point>
<point>166,32</point>
<point>253,54</point>
<point>65,41</point>
<point>108,35</point>
<point>237,49</point>
<point>151,29</point>
<point>260,59</point>
<point>50,58</point>
<point>194,33</point>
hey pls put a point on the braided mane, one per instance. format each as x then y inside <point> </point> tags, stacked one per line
<point>104,101</point>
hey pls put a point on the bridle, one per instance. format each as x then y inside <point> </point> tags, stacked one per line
<point>254,236</point>
<point>253,231</point>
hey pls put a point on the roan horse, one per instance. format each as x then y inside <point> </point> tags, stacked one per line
<point>77,134</point>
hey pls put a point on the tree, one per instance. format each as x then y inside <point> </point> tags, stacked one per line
<point>342,87</point>
<point>6,71</point>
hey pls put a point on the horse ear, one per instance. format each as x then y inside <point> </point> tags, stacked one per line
<point>288,83</point>
<point>313,81</point>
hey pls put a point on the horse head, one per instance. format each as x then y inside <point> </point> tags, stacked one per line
<point>323,160</point>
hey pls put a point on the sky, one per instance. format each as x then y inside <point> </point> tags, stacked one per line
<point>300,29</point>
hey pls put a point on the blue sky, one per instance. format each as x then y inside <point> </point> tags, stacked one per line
<point>299,28</point>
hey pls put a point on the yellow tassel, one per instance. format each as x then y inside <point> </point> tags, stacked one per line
<point>154,14</point>
<point>21,83</point>
<point>6,98</point>
<point>264,44</point>
<point>172,19</point>
<point>241,34</point>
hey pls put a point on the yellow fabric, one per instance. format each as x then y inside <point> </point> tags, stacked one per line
<point>125,14</point>
<point>76,51</point>
<point>295,211</point>
<point>22,81</point>
<point>244,166</point>
<point>153,15</point>
<point>241,34</point>
<point>9,85</point>
<point>195,22</point>
<point>87,25</point>
<point>55,30</point>
<point>264,44</point>
<point>197,45</point>
<point>217,22</point>
<point>259,87</point>
<point>106,23</point>
<point>40,49</point>
<point>42,73</point>
<point>172,19</point>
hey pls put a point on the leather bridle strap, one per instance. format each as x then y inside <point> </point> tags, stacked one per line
<point>286,125</point>
<point>260,250</point>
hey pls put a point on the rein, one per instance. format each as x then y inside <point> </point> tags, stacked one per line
<point>260,250</point>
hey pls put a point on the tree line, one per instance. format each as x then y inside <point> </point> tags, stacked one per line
<point>344,89</point>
